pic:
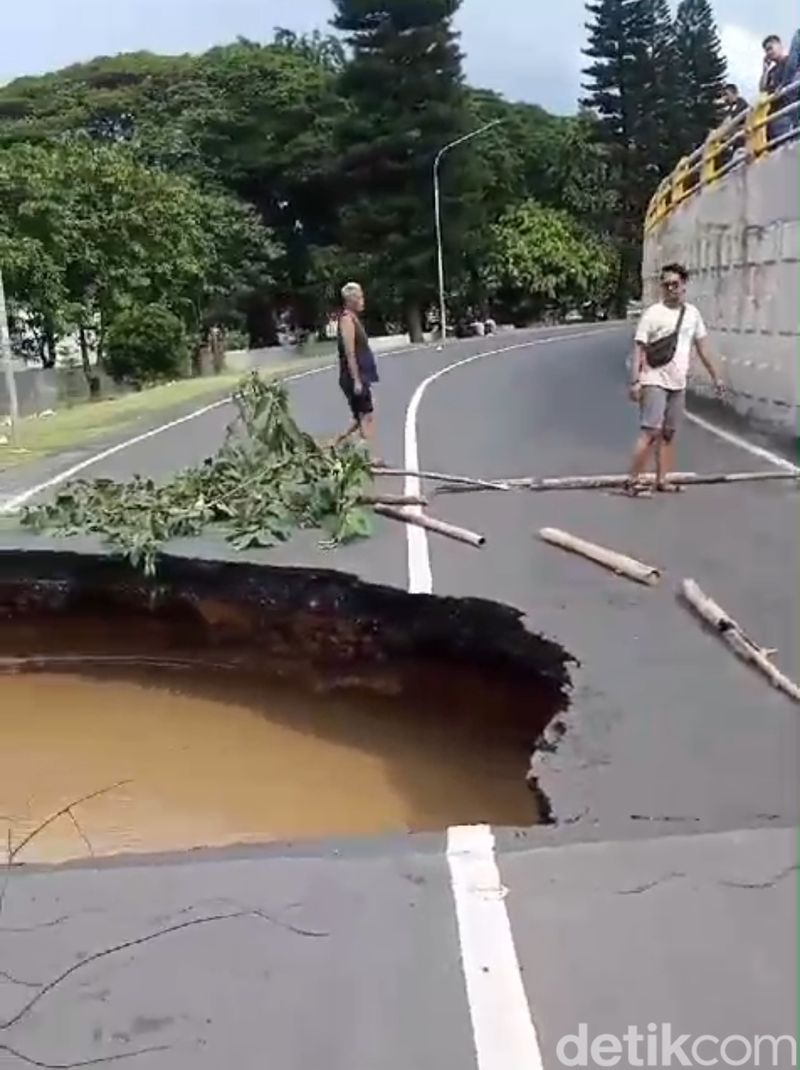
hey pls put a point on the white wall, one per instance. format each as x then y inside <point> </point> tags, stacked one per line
<point>741,240</point>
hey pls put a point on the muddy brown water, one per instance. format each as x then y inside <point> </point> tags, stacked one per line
<point>221,758</point>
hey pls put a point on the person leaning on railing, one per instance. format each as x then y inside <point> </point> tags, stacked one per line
<point>791,74</point>
<point>734,105</point>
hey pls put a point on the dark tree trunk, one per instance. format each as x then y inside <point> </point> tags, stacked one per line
<point>414,322</point>
<point>261,325</point>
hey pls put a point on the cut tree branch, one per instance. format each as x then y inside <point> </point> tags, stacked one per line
<point>466,481</point>
<point>736,638</point>
<point>440,527</point>
<point>610,559</point>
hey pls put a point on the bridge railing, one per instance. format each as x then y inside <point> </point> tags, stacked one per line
<point>770,122</point>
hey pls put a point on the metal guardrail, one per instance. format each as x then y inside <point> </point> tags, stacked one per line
<point>742,140</point>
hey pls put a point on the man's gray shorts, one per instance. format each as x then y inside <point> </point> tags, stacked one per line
<point>662,410</point>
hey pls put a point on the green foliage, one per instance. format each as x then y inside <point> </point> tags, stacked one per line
<point>407,100</point>
<point>255,179</point>
<point>703,72</point>
<point>86,230</point>
<point>146,343</point>
<point>268,479</point>
<point>541,257</point>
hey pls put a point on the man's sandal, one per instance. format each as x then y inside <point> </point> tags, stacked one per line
<point>634,489</point>
<point>669,488</point>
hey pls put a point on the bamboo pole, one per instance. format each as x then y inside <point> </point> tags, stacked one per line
<point>739,642</point>
<point>420,520</point>
<point>610,559</point>
<point>679,479</point>
<point>392,499</point>
<point>466,481</point>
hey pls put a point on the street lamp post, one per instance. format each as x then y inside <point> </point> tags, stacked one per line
<point>5,359</point>
<point>437,207</point>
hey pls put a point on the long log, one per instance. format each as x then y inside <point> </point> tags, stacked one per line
<point>392,499</point>
<point>421,520</point>
<point>442,477</point>
<point>736,638</point>
<point>618,563</point>
<point>680,479</point>
<point>610,482</point>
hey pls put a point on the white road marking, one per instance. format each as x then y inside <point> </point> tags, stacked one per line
<point>742,443</point>
<point>502,1027</point>
<point>420,577</point>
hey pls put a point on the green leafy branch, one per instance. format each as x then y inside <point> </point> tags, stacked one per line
<point>269,479</point>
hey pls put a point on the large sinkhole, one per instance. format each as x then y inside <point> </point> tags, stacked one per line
<point>226,703</point>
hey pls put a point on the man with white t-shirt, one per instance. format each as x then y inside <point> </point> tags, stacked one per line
<point>667,333</point>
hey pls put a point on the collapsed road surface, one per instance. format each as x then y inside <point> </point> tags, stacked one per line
<point>663,893</point>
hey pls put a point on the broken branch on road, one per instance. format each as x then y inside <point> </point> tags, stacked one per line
<point>430,523</point>
<point>736,638</point>
<point>620,564</point>
<point>610,482</point>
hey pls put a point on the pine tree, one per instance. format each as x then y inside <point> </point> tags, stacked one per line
<point>632,87</point>
<point>703,71</point>
<point>406,88</point>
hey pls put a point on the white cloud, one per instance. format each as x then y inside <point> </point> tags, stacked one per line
<point>743,49</point>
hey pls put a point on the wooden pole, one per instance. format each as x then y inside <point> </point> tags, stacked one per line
<point>739,642</point>
<point>466,481</point>
<point>610,559</point>
<point>679,479</point>
<point>420,520</point>
<point>392,499</point>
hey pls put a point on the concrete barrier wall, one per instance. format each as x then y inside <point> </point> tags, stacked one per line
<point>741,240</point>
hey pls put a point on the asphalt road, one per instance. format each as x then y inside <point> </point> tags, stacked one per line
<point>665,891</point>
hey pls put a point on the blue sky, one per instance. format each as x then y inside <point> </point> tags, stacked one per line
<point>527,49</point>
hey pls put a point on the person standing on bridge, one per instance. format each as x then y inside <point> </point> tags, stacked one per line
<point>667,333</point>
<point>358,370</point>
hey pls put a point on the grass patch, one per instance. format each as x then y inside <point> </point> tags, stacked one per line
<point>67,429</point>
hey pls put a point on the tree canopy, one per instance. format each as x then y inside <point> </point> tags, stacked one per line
<point>251,181</point>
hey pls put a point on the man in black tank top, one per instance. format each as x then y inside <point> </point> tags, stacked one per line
<point>358,371</point>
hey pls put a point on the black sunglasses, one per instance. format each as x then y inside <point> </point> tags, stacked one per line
<point>671,284</point>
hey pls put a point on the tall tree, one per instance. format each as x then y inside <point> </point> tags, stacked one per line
<point>702,69</point>
<point>407,97</point>
<point>631,85</point>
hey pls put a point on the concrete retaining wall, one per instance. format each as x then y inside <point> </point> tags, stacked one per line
<point>741,240</point>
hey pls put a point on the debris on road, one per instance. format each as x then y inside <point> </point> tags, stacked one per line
<point>268,480</point>
<point>462,484</point>
<point>392,499</point>
<point>459,481</point>
<point>421,520</point>
<point>738,640</point>
<point>610,559</point>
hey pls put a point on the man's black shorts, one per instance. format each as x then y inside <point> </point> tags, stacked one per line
<point>361,405</point>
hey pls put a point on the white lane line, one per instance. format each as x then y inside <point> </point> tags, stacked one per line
<point>420,577</point>
<point>743,444</point>
<point>502,1027</point>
